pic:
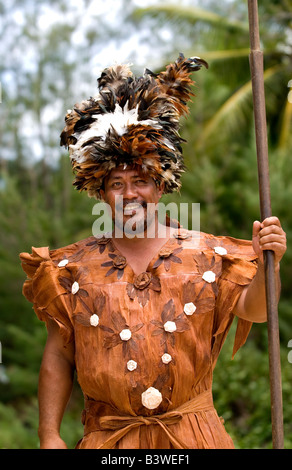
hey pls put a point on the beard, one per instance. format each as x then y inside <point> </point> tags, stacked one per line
<point>141,218</point>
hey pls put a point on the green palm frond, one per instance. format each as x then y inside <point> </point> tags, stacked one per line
<point>224,54</point>
<point>286,126</point>
<point>192,15</point>
<point>231,115</point>
<point>230,54</point>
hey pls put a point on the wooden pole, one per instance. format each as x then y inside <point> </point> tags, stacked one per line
<point>257,76</point>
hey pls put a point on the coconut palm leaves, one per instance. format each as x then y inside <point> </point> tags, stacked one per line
<point>192,15</point>
<point>222,39</point>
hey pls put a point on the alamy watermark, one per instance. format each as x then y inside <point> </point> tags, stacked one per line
<point>290,92</point>
<point>4,378</point>
<point>139,219</point>
<point>290,352</point>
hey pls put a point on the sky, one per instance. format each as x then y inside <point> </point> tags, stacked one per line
<point>23,58</point>
<point>110,12</point>
<point>24,55</point>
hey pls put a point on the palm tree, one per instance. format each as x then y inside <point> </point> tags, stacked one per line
<point>222,38</point>
<point>220,126</point>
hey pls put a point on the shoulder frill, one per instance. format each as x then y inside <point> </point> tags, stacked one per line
<point>239,266</point>
<point>43,289</point>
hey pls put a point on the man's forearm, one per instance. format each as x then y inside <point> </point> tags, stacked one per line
<point>252,303</point>
<point>55,386</point>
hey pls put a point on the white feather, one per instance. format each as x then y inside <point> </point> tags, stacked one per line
<point>119,120</point>
<point>168,143</point>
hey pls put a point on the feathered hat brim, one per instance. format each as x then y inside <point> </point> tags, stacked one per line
<point>132,122</point>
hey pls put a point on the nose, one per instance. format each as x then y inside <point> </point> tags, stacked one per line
<point>130,192</point>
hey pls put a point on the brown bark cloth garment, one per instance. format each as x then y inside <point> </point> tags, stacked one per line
<point>145,345</point>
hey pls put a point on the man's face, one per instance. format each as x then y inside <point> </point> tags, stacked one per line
<point>128,192</point>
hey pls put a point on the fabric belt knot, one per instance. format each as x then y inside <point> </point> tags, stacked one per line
<point>121,425</point>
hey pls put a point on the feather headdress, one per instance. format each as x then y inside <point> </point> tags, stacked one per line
<point>131,122</point>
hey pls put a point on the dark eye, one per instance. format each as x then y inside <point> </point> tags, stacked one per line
<point>117,184</point>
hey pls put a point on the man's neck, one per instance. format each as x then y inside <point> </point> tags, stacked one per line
<point>149,237</point>
<point>139,251</point>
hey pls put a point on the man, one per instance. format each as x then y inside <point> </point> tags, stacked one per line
<point>142,319</point>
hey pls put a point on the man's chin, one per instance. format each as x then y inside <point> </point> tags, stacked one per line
<point>129,228</point>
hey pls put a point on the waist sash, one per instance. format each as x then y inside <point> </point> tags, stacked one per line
<point>121,425</point>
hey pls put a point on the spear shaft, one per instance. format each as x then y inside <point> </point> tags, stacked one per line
<point>257,76</point>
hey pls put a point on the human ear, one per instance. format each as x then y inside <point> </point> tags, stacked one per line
<point>102,194</point>
<point>160,189</point>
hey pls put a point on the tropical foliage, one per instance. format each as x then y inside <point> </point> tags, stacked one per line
<point>39,206</point>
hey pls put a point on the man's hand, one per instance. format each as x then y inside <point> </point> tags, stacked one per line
<point>52,442</point>
<point>269,235</point>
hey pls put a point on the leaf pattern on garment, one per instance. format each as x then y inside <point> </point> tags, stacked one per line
<point>68,282</point>
<point>203,305</point>
<point>101,243</point>
<point>161,383</point>
<point>214,242</point>
<point>167,256</point>
<point>164,365</point>
<point>181,235</point>
<point>114,339</point>
<point>98,304</point>
<point>168,315</point>
<point>134,376</point>
<point>117,263</point>
<point>72,258</point>
<point>203,266</point>
<point>141,286</point>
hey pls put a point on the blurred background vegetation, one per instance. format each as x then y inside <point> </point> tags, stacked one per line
<point>50,56</point>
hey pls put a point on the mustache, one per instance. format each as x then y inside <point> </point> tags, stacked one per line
<point>125,202</point>
<point>142,203</point>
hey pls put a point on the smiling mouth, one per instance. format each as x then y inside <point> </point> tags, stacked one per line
<point>132,208</point>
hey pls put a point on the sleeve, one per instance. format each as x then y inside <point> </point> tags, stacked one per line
<point>239,266</point>
<point>43,289</point>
